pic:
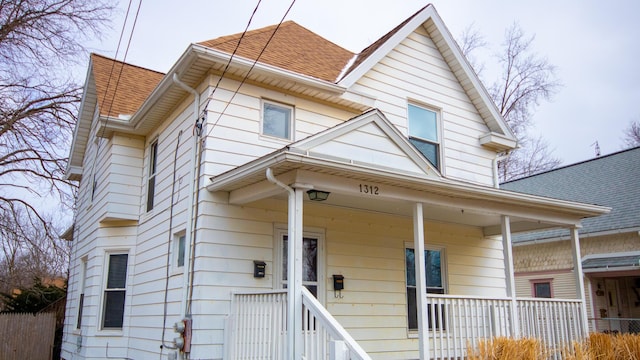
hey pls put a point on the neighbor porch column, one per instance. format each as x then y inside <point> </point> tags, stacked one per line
<point>507,248</point>
<point>421,281</point>
<point>577,268</point>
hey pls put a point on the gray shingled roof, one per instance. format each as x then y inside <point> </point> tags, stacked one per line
<point>611,180</point>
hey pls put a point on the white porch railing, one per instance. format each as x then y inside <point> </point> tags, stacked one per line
<point>256,327</point>
<point>555,322</point>
<point>457,322</point>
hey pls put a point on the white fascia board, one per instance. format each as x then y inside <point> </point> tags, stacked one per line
<point>258,67</point>
<point>195,51</point>
<point>446,188</point>
<point>388,45</point>
<point>85,125</point>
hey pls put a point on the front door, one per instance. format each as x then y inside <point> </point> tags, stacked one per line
<point>312,262</point>
<point>613,306</point>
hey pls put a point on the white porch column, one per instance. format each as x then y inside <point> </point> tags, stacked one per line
<point>577,268</point>
<point>421,280</point>
<point>294,275</point>
<point>509,269</point>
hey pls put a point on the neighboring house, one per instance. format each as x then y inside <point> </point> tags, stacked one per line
<point>610,244</point>
<point>192,190</point>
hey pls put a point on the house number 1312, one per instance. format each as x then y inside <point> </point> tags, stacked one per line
<point>369,189</point>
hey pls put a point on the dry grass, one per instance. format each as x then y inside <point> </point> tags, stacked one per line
<point>502,348</point>
<point>596,347</point>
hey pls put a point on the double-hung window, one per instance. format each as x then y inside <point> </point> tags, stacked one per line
<point>114,292</point>
<point>151,182</point>
<point>435,285</point>
<point>277,120</point>
<point>423,132</point>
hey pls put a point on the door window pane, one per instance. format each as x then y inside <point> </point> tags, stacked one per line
<point>433,269</point>
<point>309,262</point>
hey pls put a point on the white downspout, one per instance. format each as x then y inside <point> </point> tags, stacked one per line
<point>496,177</point>
<point>192,188</point>
<point>294,278</point>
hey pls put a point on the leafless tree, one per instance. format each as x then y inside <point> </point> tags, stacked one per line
<point>632,134</point>
<point>40,42</point>
<point>26,253</point>
<point>525,80</point>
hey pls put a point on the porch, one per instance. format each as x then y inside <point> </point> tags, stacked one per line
<point>421,251</point>
<point>257,326</point>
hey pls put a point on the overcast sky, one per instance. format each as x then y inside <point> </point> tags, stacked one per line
<point>594,44</point>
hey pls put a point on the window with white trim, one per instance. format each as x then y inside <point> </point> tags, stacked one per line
<point>424,132</point>
<point>277,120</point>
<point>179,247</point>
<point>151,182</point>
<point>115,291</point>
<point>434,260</point>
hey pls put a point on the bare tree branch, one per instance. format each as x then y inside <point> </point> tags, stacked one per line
<point>526,79</point>
<point>39,41</point>
<point>632,134</point>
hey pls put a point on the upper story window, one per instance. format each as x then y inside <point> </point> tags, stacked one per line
<point>114,292</point>
<point>434,259</point>
<point>151,183</point>
<point>423,132</point>
<point>277,120</point>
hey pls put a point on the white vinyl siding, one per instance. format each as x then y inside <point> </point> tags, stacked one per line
<point>415,70</point>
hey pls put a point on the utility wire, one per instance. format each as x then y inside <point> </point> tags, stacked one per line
<point>251,68</point>
<point>113,64</point>
<point>232,55</point>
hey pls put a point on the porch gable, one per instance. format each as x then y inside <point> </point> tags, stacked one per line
<point>368,140</point>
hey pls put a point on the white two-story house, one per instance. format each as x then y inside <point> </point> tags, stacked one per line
<point>297,200</point>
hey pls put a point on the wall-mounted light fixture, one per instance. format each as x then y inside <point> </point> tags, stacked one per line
<point>318,195</point>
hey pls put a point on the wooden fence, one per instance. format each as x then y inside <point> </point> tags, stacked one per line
<point>27,336</point>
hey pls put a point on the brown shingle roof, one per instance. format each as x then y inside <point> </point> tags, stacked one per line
<point>134,85</point>
<point>292,48</point>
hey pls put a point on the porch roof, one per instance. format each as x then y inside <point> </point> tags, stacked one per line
<point>608,262</point>
<point>443,199</point>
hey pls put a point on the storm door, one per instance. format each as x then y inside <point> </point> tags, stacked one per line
<point>312,263</point>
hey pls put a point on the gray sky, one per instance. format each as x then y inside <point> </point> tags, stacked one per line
<point>594,44</point>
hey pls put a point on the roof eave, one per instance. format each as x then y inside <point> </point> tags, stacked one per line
<point>448,187</point>
<point>196,51</point>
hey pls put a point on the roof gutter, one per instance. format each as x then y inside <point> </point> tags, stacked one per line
<point>258,67</point>
<point>447,188</point>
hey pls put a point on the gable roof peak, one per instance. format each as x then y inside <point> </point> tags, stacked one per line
<point>288,46</point>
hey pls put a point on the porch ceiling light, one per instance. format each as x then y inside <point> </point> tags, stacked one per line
<point>318,195</point>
